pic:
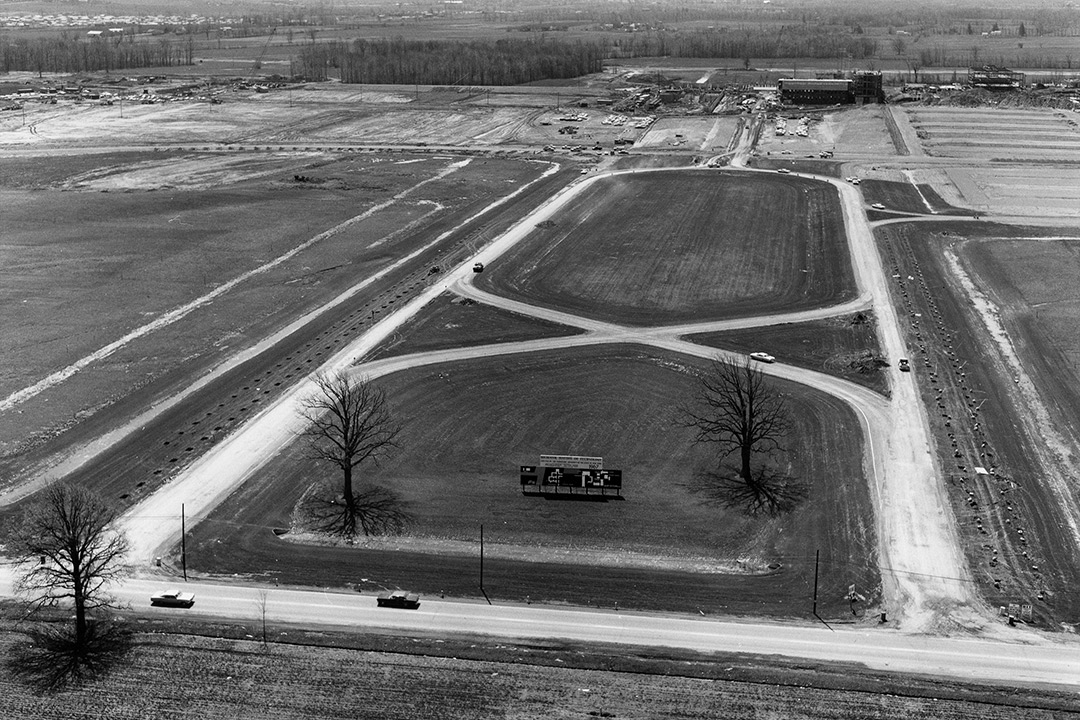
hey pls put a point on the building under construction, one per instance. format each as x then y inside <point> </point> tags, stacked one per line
<point>992,77</point>
<point>862,87</point>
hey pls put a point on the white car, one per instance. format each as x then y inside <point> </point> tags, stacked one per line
<point>785,171</point>
<point>762,357</point>
<point>878,206</point>
<point>173,598</point>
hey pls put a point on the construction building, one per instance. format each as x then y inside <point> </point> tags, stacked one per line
<point>866,87</point>
<point>992,77</point>
<point>804,91</point>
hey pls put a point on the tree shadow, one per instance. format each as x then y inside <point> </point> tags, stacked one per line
<point>51,659</point>
<point>378,511</point>
<point>766,493</point>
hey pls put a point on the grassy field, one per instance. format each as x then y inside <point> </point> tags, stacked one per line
<point>166,230</point>
<point>670,247</point>
<point>469,426</point>
<point>452,322</point>
<point>842,346</point>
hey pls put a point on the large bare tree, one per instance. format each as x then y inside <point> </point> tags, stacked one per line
<point>349,422</point>
<point>66,553</point>
<point>742,413</point>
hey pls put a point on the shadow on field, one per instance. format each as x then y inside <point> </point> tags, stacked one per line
<point>52,660</point>
<point>766,493</point>
<point>575,497</point>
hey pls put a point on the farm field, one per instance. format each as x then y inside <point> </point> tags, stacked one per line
<point>468,426</point>
<point>229,677</point>
<point>992,335</point>
<point>652,252</point>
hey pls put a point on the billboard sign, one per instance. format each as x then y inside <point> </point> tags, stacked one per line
<point>572,461</point>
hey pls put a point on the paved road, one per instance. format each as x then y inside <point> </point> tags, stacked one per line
<point>876,647</point>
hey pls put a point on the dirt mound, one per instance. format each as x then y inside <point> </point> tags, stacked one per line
<point>978,97</point>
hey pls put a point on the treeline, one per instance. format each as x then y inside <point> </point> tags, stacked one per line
<point>64,54</point>
<point>776,42</point>
<point>436,62</point>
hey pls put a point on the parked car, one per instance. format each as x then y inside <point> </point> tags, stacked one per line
<point>762,357</point>
<point>399,599</point>
<point>904,365</point>
<point>173,598</point>
<point>878,206</point>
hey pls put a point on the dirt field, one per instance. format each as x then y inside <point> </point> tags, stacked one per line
<point>648,254</point>
<point>711,135</point>
<point>849,133</point>
<point>1001,397</point>
<point>1009,161</point>
<point>374,677</point>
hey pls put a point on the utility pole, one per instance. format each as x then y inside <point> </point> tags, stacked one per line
<point>482,558</point>
<point>183,541</point>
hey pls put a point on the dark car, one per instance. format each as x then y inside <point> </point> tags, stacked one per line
<point>904,365</point>
<point>400,599</point>
<point>173,598</point>
<point>478,267</point>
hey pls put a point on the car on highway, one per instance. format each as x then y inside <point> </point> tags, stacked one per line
<point>173,598</point>
<point>399,599</point>
<point>478,267</point>
<point>762,357</point>
<point>783,171</point>
<point>904,365</point>
<point>878,206</point>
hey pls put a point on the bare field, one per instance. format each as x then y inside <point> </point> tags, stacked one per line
<point>849,133</point>
<point>693,134</point>
<point>373,677</point>
<point>314,113</point>
<point>194,274</point>
<point>1011,134</point>
<point>684,246</point>
<point>991,320</point>
<point>469,426</point>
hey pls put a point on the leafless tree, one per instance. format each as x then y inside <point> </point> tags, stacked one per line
<point>66,552</point>
<point>349,422</point>
<point>738,410</point>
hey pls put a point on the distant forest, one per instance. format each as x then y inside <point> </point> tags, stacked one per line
<point>515,61</point>
<point>478,62</point>
<point>522,43</point>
